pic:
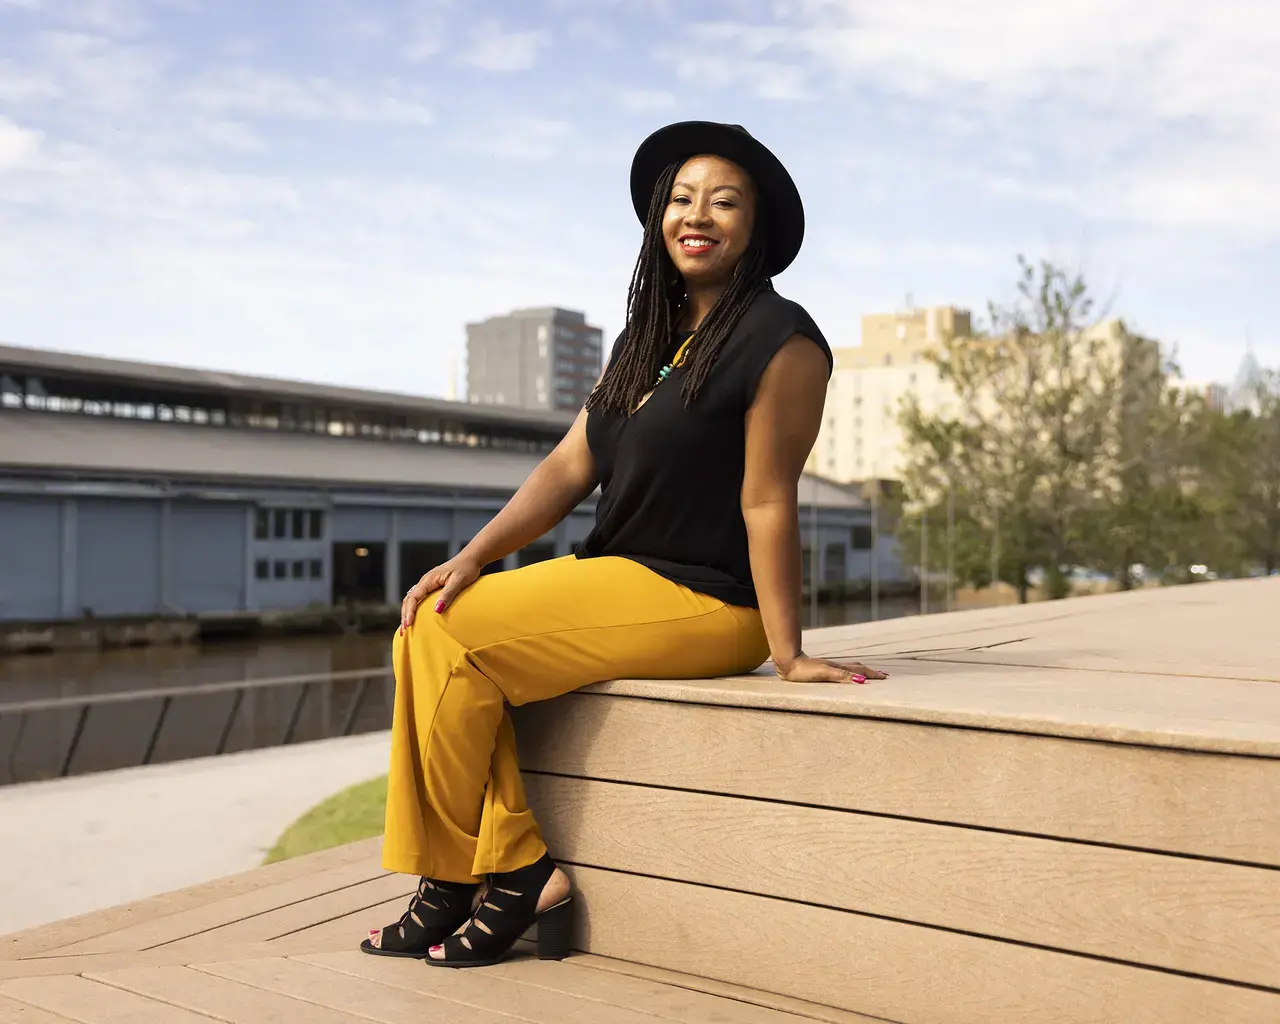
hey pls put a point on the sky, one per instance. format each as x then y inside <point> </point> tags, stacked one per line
<point>330,190</point>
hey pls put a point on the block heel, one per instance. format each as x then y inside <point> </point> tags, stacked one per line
<point>555,931</point>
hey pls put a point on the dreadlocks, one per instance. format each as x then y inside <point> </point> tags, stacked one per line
<point>654,299</point>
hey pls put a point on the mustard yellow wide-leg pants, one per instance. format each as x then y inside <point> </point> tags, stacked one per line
<point>456,806</point>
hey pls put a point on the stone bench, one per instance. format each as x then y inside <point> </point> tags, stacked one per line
<point>1063,812</point>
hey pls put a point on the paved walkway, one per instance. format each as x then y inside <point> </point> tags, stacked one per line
<point>68,846</point>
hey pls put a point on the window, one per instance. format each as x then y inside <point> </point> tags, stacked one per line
<point>299,524</point>
<point>862,538</point>
<point>316,530</point>
<point>262,569</point>
<point>316,568</point>
<point>281,570</point>
<point>888,359</point>
<point>281,524</point>
<point>299,569</point>
<point>262,526</point>
<point>833,570</point>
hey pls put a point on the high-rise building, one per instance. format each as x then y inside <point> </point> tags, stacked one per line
<point>860,438</point>
<point>545,358</point>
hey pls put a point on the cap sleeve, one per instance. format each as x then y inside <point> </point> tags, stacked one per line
<point>773,324</point>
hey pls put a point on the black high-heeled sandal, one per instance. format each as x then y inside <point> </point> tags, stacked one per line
<point>508,910</point>
<point>435,912</point>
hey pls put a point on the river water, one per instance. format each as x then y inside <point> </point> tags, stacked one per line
<point>37,744</point>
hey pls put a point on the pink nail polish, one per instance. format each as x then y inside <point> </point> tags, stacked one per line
<point>859,679</point>
<point>439,607</point>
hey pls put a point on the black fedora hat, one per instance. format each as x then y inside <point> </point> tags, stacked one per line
<point>779,197</point>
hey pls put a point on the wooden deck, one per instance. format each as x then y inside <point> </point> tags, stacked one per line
<point>278,944</point>
<point>1062,813</point>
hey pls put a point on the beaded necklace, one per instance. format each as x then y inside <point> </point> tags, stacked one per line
<point>676,360</point>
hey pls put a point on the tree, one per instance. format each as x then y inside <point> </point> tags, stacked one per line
<point>1242,463</point>
<point>1156,510</point>
<point>1028,442</point>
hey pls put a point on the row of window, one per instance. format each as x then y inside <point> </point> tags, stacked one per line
<point>140,402</point>
<point>289,524</point>
<point>283,569</point>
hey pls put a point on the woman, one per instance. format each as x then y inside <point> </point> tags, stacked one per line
<point>696,434</point>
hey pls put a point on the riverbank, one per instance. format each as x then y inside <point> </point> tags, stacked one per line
<point>116,633</point>
<point>322,621</point>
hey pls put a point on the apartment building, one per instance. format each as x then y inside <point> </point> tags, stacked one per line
<point>860,437</point>
<point>544,358</point>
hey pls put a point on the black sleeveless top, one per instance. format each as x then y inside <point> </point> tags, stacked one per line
<point>671,476</point>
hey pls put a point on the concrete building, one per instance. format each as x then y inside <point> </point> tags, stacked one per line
<point>534,359</point>
<point>860,438</point>
<point>129,489</point>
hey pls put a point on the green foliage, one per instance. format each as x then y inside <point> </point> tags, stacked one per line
<point>1069,444</point>
<point>346,817</point>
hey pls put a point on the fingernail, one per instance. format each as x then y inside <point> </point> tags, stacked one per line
<point>859,679</point>
<point>439,607</point>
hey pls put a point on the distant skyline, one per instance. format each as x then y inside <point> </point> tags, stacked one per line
<point>332,190</point>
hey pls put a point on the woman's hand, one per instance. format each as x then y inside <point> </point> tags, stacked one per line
<point>450,578</point>
<point>818,670</point>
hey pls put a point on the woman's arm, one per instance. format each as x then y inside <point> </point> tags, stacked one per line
<point>781,428</point>
<point>553,490</point>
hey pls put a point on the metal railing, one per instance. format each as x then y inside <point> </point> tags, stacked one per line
<point>83,706</point>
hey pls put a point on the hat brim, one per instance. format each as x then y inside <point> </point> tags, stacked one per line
<point>779,197</point>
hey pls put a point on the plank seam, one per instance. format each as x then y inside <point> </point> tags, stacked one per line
<point>926,724</point>
<point>1267,989</point>
<point>690,987</point>
<point>1110,670</point>
<point>97,980</point>
<point>389,983</point>
<point>119,986</point>
<point>339,917</point>
<point>1123,847</point>
<point>262,913</point>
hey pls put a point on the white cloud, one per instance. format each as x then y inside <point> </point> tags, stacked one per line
<point>758,59</point>
<point>644,101</point>
<point>18,145</point>
<point>1156,111</point>
<point>427,32</point>
<point>493,49</point>
<point>272,95</point>
<point>528,138</point>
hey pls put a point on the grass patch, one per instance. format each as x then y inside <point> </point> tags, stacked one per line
<point>353,814</point>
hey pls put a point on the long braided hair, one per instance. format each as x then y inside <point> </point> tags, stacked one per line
<point>654,301</point>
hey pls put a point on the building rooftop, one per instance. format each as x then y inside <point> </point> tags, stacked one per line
<point>51,444</point>
<point>43,361</point>
<point>46,444</point>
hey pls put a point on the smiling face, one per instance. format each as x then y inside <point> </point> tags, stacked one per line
<point>709,219</point>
